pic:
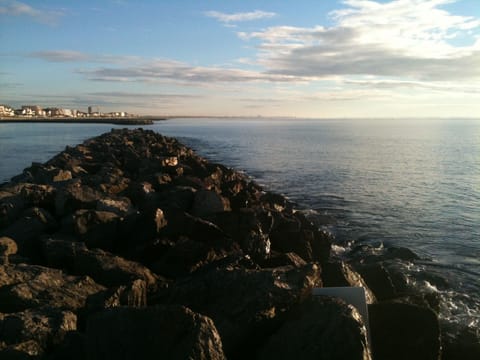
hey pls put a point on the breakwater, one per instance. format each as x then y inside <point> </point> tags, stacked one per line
<point>141,236</point>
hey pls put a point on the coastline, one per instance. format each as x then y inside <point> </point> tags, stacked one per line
<point>132,120</point>
<point>214,226</point>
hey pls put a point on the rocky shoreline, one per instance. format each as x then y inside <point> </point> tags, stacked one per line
<point>129,120</point>
<point>132,246</point>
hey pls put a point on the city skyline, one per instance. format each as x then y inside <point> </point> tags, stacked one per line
<point>353,58</point>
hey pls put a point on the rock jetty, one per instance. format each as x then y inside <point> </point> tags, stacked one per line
<point>130,246</point>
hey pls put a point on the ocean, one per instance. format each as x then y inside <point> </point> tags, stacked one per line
<point>410,183</point>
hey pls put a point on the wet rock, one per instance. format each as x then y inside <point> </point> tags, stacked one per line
<point>172,332</point>
<point>319,328</point>
<point>338,273</point>
<point>245,304</point>
<point>378,280</point>
<point>402,331</point>
<point>461,344</point>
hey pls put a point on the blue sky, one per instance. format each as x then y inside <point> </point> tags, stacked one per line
<point>352,58</point>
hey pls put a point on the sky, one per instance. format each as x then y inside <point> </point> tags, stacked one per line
<point>308,58</point>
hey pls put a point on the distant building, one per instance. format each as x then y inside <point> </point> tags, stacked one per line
<point>32,110</point>
<point>6,110</point>
<point>90,110</point>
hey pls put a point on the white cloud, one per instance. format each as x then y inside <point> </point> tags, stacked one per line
<point>239,17</point>
<point>17,8</point>
<point>401,38</point>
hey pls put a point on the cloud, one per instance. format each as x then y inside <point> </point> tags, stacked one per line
<point>60,56</point>
<point>17,8</point>
<point>77,56</point>
<point>414,39</point>
<point>157,70</point>
<point>240,17</point>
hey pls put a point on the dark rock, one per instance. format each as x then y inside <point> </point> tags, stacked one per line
<point>378,280</point>
<point>276,201</point>
<point>30,286</point>
<point>462,344</point>
<point>98,229</point>
<point>187,256</point>
<point>283,259</point>
<point>47,326</point>
<point>27,350</point>
<point>338,273</point>
<point>319,328</point>
<point>160,332</point>
<point>245,228</point>
<point>11,207</point>
<point>105,268</point>
<point>121,205</point>
<point>76,196</point>
<point>133,294</point>
<point>402,331</point>
<point>7,247</point>
<point>72,347</point>
<point>184,224</point>
<point>245,304</point>
<point>26,230</point>
<point>208,202</point>
<point>401,253</point>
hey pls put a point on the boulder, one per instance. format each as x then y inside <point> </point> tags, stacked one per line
<point>245,304</point>
<point>160,332</point>
<point>30,286</point>
<point>27,230</point>
<point>27,350</point>
<point>247,227</point>
<point>338,273</point>
<point>403,331</point>
<point>104,267</point>
<point>76,196</point>
<point>378,280</point>
<point>319,328</point>
<point>208,202</point>
<point>11,207</point>
<point>46,326</point>
<point>98,229</point>
<point>283,259</point>
<point>7,247</point>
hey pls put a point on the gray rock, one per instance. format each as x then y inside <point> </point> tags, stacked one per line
<point>162,332</point>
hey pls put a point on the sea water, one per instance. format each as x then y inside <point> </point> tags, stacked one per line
<point>410,183</point>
